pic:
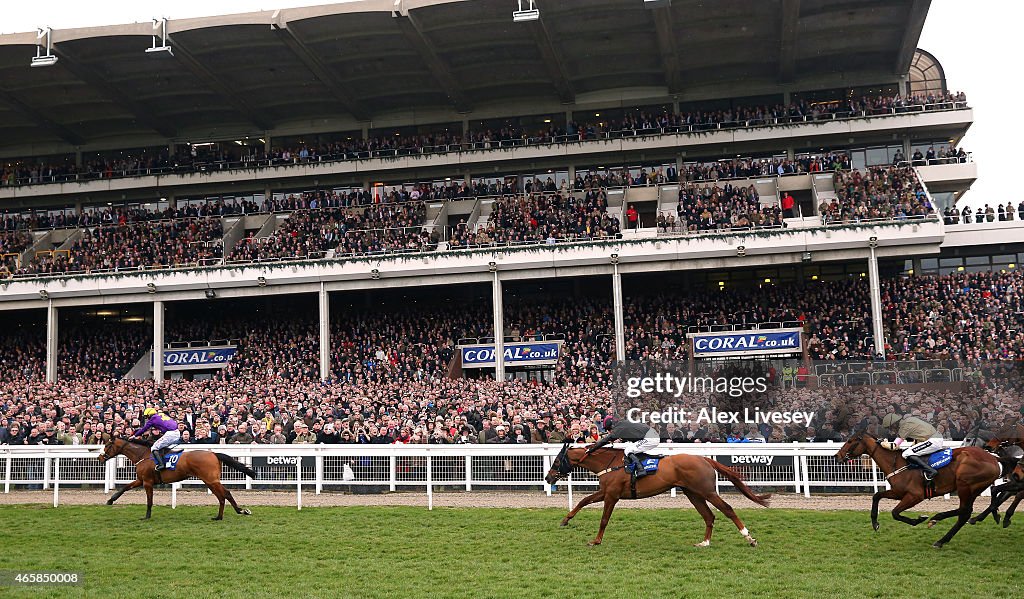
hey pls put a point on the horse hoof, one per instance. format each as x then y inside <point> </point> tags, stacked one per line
<point>937,545</point>
<point>593,543</point>
<point>1006,523</point>
<point>972,521</point>
<point>110,502</point>
<point>931,523</point>
<point>702,544</point>
<point>216,518</point>
<point>875,526</point>
<point>753,542</point>
<point>245,513</point>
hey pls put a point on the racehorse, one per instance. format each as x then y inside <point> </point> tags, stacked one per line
<point>1012,437</point>
<point>204,465</point>
<point>696,475</point>
<point>970,472</point>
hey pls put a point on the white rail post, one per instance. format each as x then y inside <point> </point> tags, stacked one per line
<point>56,480</point>
<point>569,485</point>
<point>394,471</point>
<point>319,472</point>
<point>469,473</point>
<point>298,484</point>
<point>547,466</point>
<point>430,482</point>
<point>796,467</point>
<point>7,473</point>
<point>874,476</point>
<point>46,471</point>
<point>807,475</point>
<point>174,495</point>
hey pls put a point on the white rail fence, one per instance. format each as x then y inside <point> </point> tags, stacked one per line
<point>795,467</point>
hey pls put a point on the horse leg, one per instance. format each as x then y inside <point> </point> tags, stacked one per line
<point>593,497</point>
<point>609,507</point>
<point>238,510</point>
<point>906,502</point>
<point>942,516</point>
<point>132,485</point>
<point>967,497</point>
<point>717,501</point>
<point>219,492</point>
<point>148,485</point>
<point>875,499</point>
<point>1013,507</point>
<point>706,513</point>
<point>998,497</point>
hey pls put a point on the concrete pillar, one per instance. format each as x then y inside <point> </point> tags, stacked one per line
<point>786,98</point>
<point>499,328</point>
<point>78,158</point>
<point>790,153</point>
<point>876,303</point>
<point>907,148</point>
<point>465,126</point>
<point>267,146</point>
<point>158,341</point>
<point>620,327</point>
<point>51,342</point>
<point>325,334</point>
<point>365,130</point>
<point>172,201</point>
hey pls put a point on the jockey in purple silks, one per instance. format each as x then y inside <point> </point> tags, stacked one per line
<point>160,422</point>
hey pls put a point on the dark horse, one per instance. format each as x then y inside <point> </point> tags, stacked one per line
<point>1006,441</point>
<point>695,474</point>
<point>204,465</point>
<point>970,472</point>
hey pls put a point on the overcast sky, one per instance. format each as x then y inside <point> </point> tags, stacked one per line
<point>976,42</point>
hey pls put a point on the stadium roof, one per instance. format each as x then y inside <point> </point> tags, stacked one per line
<point>359,61</point>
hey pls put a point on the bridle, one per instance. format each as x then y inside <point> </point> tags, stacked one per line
<point>563,464</point>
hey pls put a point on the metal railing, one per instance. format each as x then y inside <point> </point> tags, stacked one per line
<point>792,467</point>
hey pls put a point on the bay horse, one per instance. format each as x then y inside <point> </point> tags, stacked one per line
<point>1012,437</point>
<point>204,465</point>
<point>696,475</point>
<point>971,471</point>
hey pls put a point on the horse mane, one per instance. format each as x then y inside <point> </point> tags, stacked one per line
<point>141,442</point>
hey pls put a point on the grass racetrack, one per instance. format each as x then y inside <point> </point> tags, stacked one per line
<point>487,552</point>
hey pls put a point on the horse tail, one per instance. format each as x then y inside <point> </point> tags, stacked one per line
<point>737,481</point>
<point>234,464</point>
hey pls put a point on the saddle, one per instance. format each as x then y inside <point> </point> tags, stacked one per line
<point>170,458</point>
<point>936,460</point>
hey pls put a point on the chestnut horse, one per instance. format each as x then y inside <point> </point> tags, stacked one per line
<point>971,471</point>
<point>204,465</point>
<point>696,475</point>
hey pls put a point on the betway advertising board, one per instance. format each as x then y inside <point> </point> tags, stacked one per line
<point>528,353</point>
<point>726,344</point>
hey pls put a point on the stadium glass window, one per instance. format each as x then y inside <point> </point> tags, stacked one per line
<point>877,156</point>
<point>926,75</point>
<point>978,260</point>
<point>951,262</point>
<point>858,159</point>
<point>931,263</point>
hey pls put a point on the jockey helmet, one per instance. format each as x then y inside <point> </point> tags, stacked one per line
<point>890,420</point>
<point>609,422</point>
<point>149,412</point>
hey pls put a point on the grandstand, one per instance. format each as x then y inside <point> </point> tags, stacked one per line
<point>331,224</point>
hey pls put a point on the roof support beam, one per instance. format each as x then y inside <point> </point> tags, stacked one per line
<point>319,69</point>
<point>553,61</point>
<point>787,47</point>
<point>91,77</point>
<point>42,121</point>
<point>667,48</point>
<point>218,85</point>
<point>413,32</point>
<point>911,35</point>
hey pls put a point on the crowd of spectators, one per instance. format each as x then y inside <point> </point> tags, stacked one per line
<point>202,158</point>
<point>314,232</point>
<point>714,208</point>
<point>12,244</point>
<point>135,245</point>
<point>540,217</point>
<point>955,216</point>
<point>878,192</point>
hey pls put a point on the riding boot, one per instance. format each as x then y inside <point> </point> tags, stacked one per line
<point>922,462</point>
<point>158,458</point>
<point>638,467</point>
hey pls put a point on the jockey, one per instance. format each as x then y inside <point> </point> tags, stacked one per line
<point>641,439</point>
<point>916,438</point>
<point>160,422</point>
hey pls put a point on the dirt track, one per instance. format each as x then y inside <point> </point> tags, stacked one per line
<point>492,499</point>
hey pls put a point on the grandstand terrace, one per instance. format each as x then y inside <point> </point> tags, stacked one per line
<point>268,192</point>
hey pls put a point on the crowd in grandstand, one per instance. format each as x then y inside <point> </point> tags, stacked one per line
<point>875,193</point>
<point>540,217</point>
<point>954,216</point>
<point>714,208</point>
<point>201,158</point>
<point>390,368</point>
